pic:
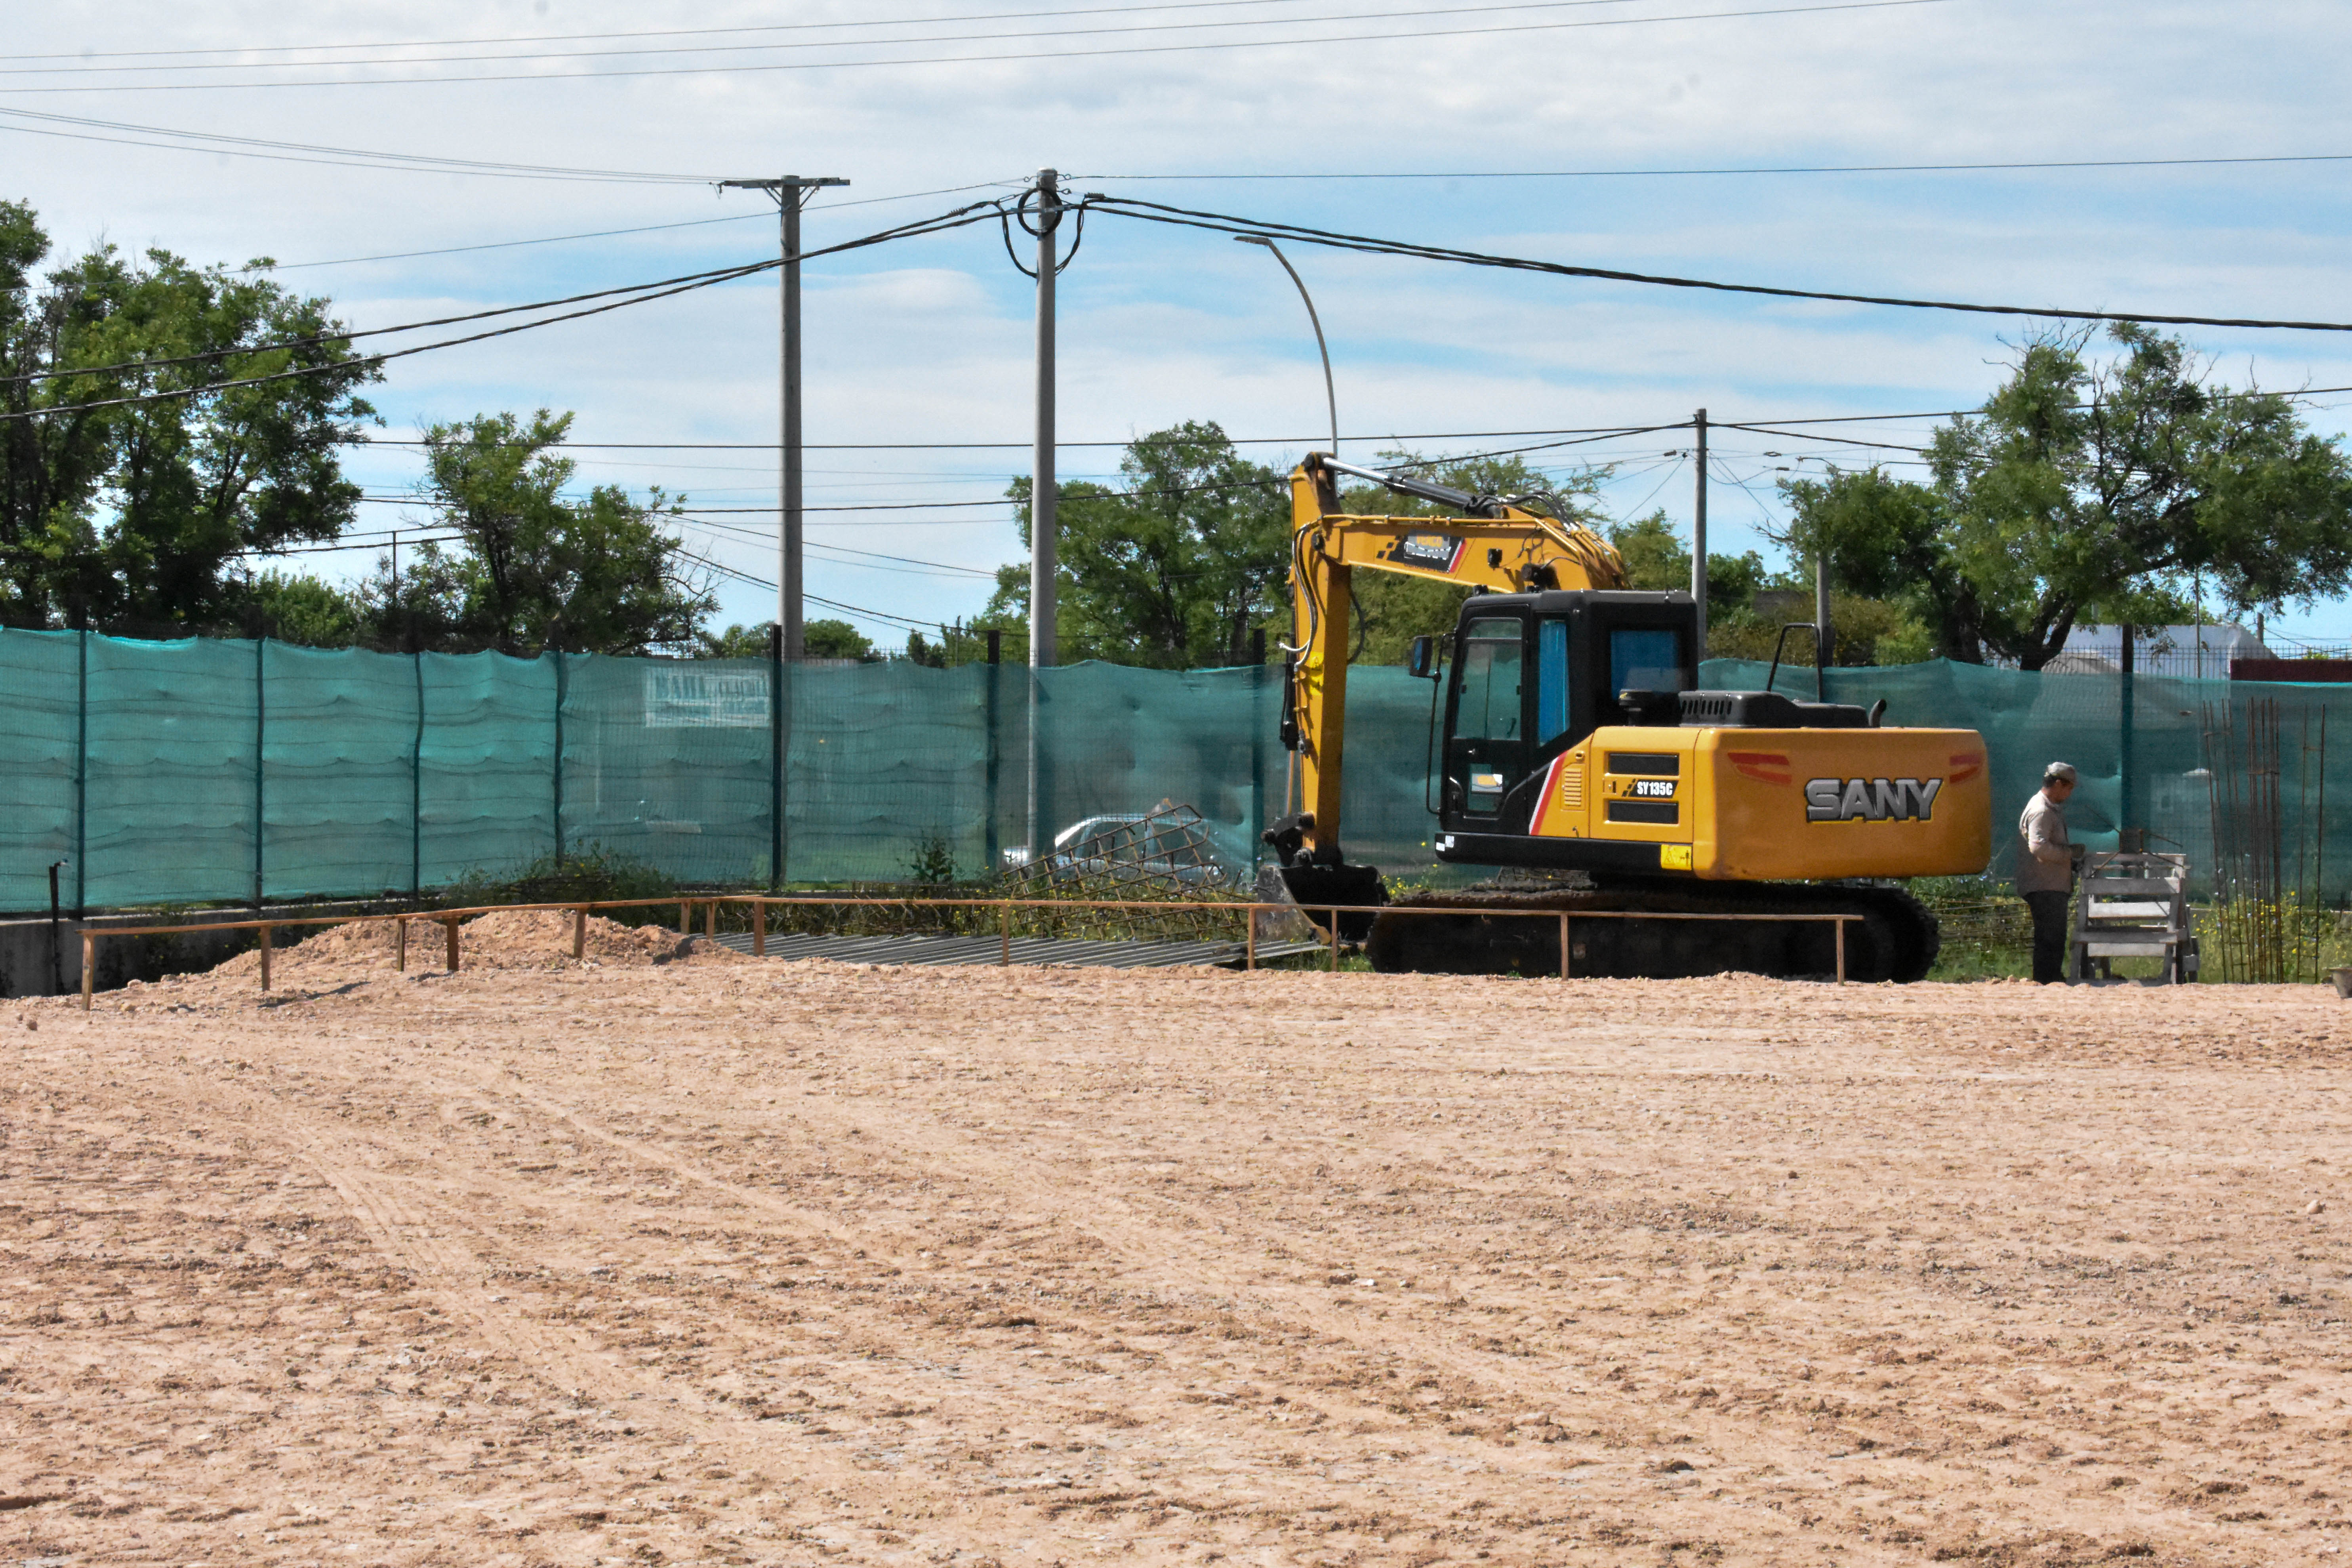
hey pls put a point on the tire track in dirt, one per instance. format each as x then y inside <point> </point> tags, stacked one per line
<point>1083,1201</point>
<point>570,1363</point>
<point>1086,1202</point>
<point>1281,1490</point>
<point>1302,1497</point>
<point>1143,1237</point>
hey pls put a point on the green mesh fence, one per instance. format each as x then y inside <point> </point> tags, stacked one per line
<point>205,771</point>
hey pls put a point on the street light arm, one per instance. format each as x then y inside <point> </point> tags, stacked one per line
<point>1330,396</point>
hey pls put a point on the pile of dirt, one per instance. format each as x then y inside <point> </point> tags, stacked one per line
<point>503,938</point>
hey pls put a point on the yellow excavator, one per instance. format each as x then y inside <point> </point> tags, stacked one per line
<point>1578,752</point>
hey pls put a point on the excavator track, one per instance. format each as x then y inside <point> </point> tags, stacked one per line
<point>1895,937</point>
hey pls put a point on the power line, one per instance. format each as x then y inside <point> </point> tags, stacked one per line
<point>959,218</point>
<point>321,339</point>
<point>1603,431</point>
<point>1224,223</point>
<point>1065,32</point>
<point>1219,46</point>
<point>609,233</point>
<point>657,33</point>
<point>1791,169</point>
<point>286,151</point>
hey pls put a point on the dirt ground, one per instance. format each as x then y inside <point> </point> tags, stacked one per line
<point>724,1260</point>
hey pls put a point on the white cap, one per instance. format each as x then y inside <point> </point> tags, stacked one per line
<point>2059,770</point>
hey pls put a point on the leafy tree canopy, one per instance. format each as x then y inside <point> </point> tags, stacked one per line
<point>2088,491</point>
<point>536,569</point>
<point>135,516</point>
<point>834,639</point>
<point>1172,568</point>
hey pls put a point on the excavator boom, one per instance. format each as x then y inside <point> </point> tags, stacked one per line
<point>1499,546</point>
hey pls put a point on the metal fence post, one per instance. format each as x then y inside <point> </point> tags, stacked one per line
<point>81,786</point>
<point>559,759</point>
<point>579,934</point>
<point>452,927</point>
<point>88,967</point>
<point>260,744</point>
<point>1004,934</point>
<point>1563,946</point>
<point>265,958</point>
<point>417,796</point>
<point>776,737</point>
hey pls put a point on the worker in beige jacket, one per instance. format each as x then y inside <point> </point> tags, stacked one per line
<point>2046,859</point>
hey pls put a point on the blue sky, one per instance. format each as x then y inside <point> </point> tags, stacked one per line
<point>929,341</point>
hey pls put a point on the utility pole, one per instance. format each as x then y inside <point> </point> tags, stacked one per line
<point>1043,542</point>
<point>1698,542</point>
<point>1824,640</point>
<point>791,192</point>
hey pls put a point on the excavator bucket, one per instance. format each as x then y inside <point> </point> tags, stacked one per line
<point>1352,888</point>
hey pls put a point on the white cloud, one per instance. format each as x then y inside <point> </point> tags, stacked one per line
<point>930,340</point>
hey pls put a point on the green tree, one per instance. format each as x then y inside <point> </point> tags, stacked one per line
<point>303,609</point>
<point>1657,560</point>
<point>2092,490</point>
<point>1391,610</point>
<point>537,569</point>
<point>737,641</point>
<point>134,514</point>
<point>836,639</point>
<point>1172,569</point>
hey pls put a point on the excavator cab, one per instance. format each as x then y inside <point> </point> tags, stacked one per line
<point>1533,674</point>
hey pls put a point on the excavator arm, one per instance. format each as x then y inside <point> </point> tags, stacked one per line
<point>1500,544</point>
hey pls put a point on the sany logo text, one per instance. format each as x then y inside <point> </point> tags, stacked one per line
<point>1870,800</point>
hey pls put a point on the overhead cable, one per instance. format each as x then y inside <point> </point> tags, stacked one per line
<point>1213,45</point>
<point>975,213</point>
<point>432,163</point>
<point>655,33</point>
<point>1735,169</point>
<point>1224,223</point>
<point>1061,32</point>
<point>610,233</point>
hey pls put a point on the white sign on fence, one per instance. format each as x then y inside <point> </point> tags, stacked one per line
<point>705,699</point>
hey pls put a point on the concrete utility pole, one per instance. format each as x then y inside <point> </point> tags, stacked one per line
<point>1042,540</point>
<point>791,192</point>
<point>1698,542</point>
<point>1043,543</point>
<point>1824,640</point>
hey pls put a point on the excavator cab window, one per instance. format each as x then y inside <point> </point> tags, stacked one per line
<point>1551,679</point>
<point>1486,745</point>
<point>1644,658</point>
